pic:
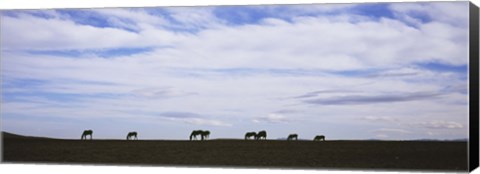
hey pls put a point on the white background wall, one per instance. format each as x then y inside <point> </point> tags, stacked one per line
<point>74,169</point>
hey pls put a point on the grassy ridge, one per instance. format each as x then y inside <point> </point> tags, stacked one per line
<point>416,155</point>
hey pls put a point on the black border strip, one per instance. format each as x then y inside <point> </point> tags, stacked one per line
<point>473,81</point>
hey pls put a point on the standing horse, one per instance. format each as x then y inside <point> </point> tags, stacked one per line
<point>319,138</point>
<point>132,134</point>
<point>194,134</point>
<point>85,133</point>
<point>292,136</point>
<point>261,134</point>
<point>205,134</point>
<point>250,134</point>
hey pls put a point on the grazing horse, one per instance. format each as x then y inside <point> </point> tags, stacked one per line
<point>319,138</point>
<point>85,133</point>
<point>195,133</point>
<point>292,136</point>
<point>250,134</point>
<point>205,135</point>
<point>261,134</point>
<point>132,134</point>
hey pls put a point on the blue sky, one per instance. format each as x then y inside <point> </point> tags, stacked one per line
<point>348,71</point>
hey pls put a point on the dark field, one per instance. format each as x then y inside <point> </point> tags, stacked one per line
<point>388,155</point>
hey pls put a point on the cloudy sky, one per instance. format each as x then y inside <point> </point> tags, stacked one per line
<point>347,71</point>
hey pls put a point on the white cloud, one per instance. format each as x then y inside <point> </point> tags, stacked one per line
<point>441,124</point>
<point>311,40</point>
<point>272,118</point>
<point>381,136</point>
<point>160,93</point>
<point>63,34</point>
<point>388,130</point>
<point>379,119</point>
<point>133,18</point>
<point>449,12</point>
<point>391,133</point>
<point>58,34</point>
<point>207,122</point>
<point>195,18</point>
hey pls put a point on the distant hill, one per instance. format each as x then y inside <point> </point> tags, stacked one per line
<point>456,140</point>
<point>8,135</point>
<point>300,139</point>
<point>461,140</point>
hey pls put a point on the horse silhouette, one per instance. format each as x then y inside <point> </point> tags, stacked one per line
<point>250,134</point>
<point>292,136</point>
<point>193,135</point>
<point>132,134</point>
<point>319,138</point>
<point>85,133</point>
<point>203,134</point>
<point>261,134</point>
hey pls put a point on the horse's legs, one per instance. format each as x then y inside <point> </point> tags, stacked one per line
<point>192,136</point>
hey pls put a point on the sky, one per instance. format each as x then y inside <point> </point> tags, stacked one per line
<point>393,71</point>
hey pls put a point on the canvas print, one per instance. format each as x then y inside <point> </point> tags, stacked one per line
<point>380,86</point>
